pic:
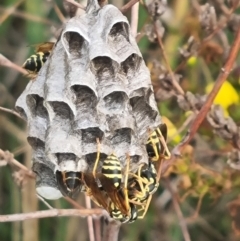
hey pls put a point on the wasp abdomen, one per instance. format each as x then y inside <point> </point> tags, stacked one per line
<point>69,183</point>
<point>112,169</point>
<point>36,61</point>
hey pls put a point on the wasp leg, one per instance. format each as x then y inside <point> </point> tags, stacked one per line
<point>137,203</point>
<point>159,171</point>
<point>168,154</point>
<point>126,183</point>
<point>146,206</point>
<point>97,158</point>
<point>141,193</point>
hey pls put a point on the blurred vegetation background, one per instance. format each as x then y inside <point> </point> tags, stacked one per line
<point>201,172</point>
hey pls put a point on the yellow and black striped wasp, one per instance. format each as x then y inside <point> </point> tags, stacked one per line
<point>107,190</point>
<point>145,182</point>
<point>70,183</point>
<point>35,62</point>
<point>156,144</point>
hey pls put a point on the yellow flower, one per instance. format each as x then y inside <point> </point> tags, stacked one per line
<point>192,61</point>
<point>226,96</point>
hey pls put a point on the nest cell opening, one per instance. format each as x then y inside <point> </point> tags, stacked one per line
<point>92,157</point>
<point>131,64</point>
<point>74,43</point>
<point>123,135</point>
<point>118,30</point>
<point>103,66</point>
<point>63,157</point>
<point>141,110</point>
<point>90,135</point>
<point>35,105</point>
<point>36,143</point>
<point>85,96</point>
<point>61,109</point>
<point>115,101</point>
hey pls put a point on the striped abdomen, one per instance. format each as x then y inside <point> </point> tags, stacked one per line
<point>112,169</point>
<point>35,62</point>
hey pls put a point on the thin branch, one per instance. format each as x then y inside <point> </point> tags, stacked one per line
<point>59,13</point>
<point>177,208</point>
<point>97,226</point>
<point>218,84</point>
<point>9,11</point>
<point>44,201</point>
<point>29,17</point>
<point>134,19</point>
<point>127,6</point>
<point>11,111</point>
<point>177,87</point>
<point>89,219</point>
<point>7,156</point>
<point>111,230</point>
<point>208,38</point>
<point>6,62</point>
<point>51,213</point>
<point>205,108</point>
<point>74,203</point>
<point>78,5</point>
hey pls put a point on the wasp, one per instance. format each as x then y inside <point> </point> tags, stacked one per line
<point>145,182</point>
<point>107,190</point>
<point>70,183</point>
<point>156,144</point>
<point>35,62</point>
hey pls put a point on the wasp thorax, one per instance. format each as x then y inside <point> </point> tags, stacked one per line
<point>69,183</point>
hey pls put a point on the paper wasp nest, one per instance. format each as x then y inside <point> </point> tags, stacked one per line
<point>95,84</point>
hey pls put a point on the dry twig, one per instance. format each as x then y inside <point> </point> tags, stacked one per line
<point>127,6</point>
<point>89,220</point>
<point>51,213</point>
<point>207,105</point>
<point>177,208</point>
<point>218,84</point>
<point>111,230</point>
<point>78,5</point>
<point>174,82</point>
<point>10,111</point>
<point>6,62</point>
<point>134,19</point>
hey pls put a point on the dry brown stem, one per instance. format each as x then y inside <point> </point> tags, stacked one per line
<point>207,105</point>
<point>177,208</point>
<point>111,230</point>
<point>208,38</point>
<point>134,18</point>
<point>176,85</point>
<point>8,157</point>
<point>30,17</point>
<point>89,219</point>
<point>9,11</point>
<point>6,62</point>
<point>51,213</point>
<point>127,6</point>
<point>218,84</point>
<point>78,5</point>
<point>10,111</point>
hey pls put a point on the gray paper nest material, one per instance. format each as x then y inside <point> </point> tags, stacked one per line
<point>94,85</point>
